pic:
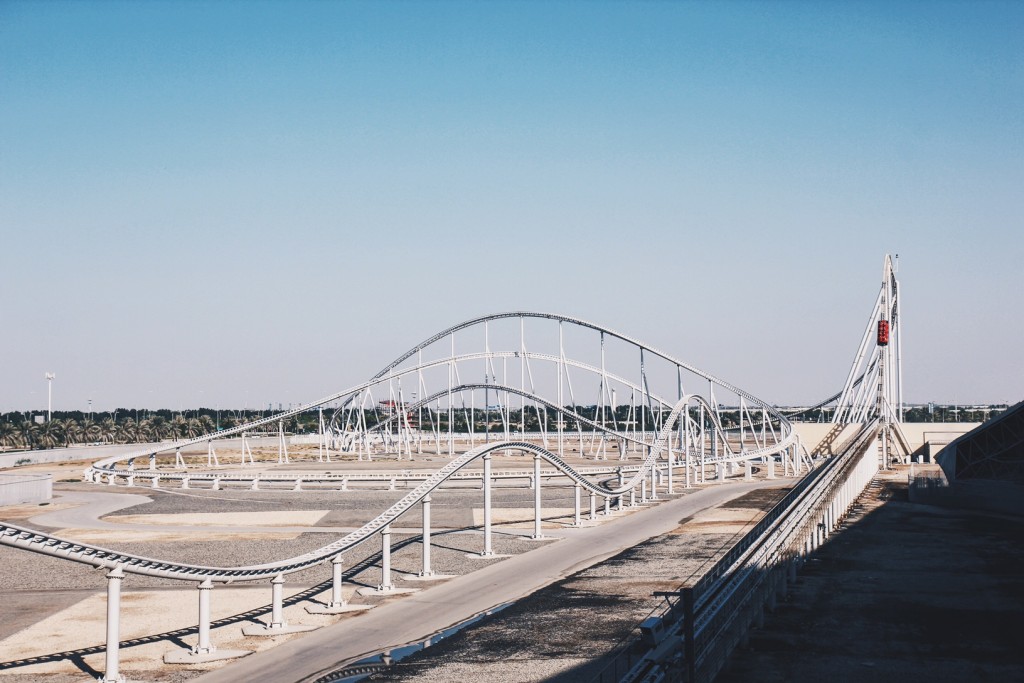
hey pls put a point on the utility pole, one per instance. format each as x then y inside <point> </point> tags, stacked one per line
<point>49,395</point>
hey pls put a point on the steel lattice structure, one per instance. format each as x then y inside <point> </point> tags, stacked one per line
<point>665,426</point>
<point>874,387</point>
<point>687,431</point>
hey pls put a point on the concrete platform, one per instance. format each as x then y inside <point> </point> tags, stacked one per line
<point>189,657</point>
<point>264,630</point>
<point>324,609</point>
<point>432,577</point>
<point>492,556</point>
<point>392,591</point>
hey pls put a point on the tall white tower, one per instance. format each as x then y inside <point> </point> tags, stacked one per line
<point>874,387</point>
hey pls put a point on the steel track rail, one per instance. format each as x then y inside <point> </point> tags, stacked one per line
<point>96,556</point>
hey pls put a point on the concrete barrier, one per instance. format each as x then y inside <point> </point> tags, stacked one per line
<point>25,488</point>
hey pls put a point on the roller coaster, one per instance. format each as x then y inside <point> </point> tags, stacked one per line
<point>463,394</point>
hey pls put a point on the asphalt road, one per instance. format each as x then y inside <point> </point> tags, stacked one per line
<point>417,616</point>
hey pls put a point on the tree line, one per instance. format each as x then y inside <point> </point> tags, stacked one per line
<point>20,431</point>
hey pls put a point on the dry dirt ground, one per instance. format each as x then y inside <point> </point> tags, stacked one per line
<point>565,632</point>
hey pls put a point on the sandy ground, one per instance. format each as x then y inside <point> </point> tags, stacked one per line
<point>56,635</point>
<point>239,519</point>
<point>143,613</point>
<point>566,631</point>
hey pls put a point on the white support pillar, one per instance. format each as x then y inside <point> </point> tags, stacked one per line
<point>671,483</point>
<point>576,520</point>
<point>337,599</point>
<point>487,507</point>
<point>277,607</point>
<point>152,461</point>
<point>282,444</point>
<point>426,571</point>
<point>643,492</point>
<point>593,506</point>
<point>385,564</point>
<point>537,510</point>
<point>203,646</point>
<point>112,673</point>
<point>337,603</point>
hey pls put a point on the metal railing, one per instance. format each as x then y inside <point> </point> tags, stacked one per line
<point>704,621</point>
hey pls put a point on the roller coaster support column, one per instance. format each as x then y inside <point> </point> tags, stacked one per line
<point>593,506</point>
<point>282,444</point>
<point>114,577</point>
<point>536,498</point>
<point>576,521</point>
<point>203,647</point>
<point>426,537</point>
<point>621,481</point>
<point>487,507</point>
<point>671,461</point>
<point>277,607</point>
<point>385,560</point>
<point>337,600</point>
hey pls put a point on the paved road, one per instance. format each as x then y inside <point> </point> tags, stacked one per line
<point>417,616</point>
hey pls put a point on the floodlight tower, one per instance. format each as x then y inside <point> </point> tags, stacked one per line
<point>49,395</point>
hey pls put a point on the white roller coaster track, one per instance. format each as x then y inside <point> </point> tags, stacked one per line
<point>29,539</point>
<point>100,557</point>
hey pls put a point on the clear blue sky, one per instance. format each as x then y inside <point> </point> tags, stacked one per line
<point>227,203</point>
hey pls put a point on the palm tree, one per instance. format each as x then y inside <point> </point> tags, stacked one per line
<point>91,432</point>
<point>127,431</point>
<point>49,434</point>
<point>72,432</point>
<point>108,430</point>
<point>27,432</point>
<point>177,427</point>
<point>145,430</point>
<point>159,428</point>
<point>193,428</point>
<point>8,435</point>
<point>208,424</point>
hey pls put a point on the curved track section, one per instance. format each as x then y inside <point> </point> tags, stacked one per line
<point>694,427</point>
<point>100,557</point>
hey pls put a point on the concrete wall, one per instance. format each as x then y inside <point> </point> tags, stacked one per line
<point>823,437</point>
<point>815,435</point>
<point>25,488</point>
<point>92,453</point>
<point>64,454</point>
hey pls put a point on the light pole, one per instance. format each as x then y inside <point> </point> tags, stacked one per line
<point>487,410</point>
<point>49,395</point>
